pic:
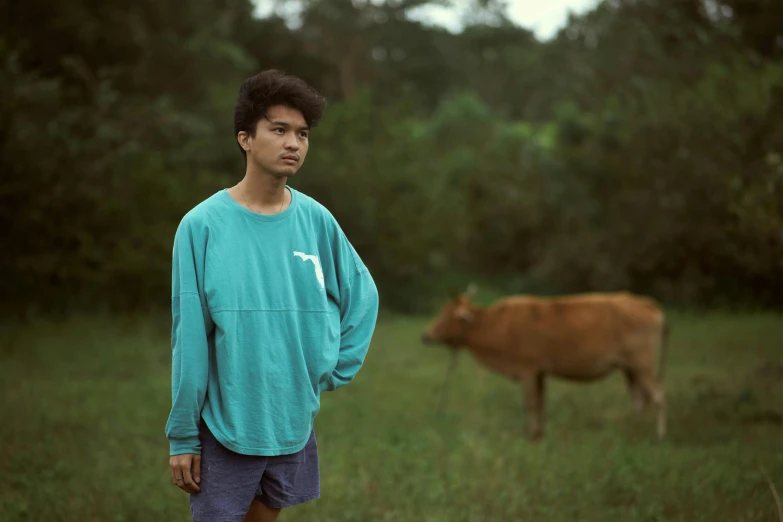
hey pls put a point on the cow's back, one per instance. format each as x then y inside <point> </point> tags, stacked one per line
<point>579,337</point>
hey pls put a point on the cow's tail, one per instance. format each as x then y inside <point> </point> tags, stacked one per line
<point>663,349</point>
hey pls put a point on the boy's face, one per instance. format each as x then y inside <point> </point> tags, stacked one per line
<point>281,141</point>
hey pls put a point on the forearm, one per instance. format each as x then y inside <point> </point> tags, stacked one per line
<point>190,371</point>
<point>360,311</point>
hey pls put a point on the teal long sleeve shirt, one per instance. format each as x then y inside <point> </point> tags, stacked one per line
<point>268,311</point>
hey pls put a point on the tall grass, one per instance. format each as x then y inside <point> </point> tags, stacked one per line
<point>84,403</point>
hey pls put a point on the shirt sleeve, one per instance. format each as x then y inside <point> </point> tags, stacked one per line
<point>359,304</point>
<point>191,326</point>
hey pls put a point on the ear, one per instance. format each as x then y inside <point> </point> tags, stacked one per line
<point>242,139</point>
<point>464,315</point>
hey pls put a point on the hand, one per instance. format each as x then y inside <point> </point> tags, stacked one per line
<point>186,472</point>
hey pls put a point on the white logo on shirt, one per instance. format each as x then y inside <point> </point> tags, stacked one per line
<point>319,274</point>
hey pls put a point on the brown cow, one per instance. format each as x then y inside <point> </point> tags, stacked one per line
<point>578,338</point>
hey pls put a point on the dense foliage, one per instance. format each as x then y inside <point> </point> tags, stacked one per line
<point>639,149</point>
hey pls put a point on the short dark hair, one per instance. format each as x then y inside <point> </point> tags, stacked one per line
<point>275,87</point>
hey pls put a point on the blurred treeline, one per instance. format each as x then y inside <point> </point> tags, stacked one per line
<point>642,148</point>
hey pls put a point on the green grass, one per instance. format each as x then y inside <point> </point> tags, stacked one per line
<point>84,405</point>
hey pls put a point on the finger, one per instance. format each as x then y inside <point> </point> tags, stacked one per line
<point>197,469</point>
<point>190,486</point>
<point>179,480</point>
<point>171,473</point>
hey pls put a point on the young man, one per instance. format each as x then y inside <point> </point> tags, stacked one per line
<point>271,306</point>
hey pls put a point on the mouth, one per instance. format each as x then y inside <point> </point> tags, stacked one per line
<point>291,160</point>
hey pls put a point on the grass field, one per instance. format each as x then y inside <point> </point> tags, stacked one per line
<point>84,403</point>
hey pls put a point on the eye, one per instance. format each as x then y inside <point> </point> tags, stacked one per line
<point>303,135</point>
<point>278,130</point>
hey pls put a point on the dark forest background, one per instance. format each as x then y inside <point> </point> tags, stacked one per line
<point>641,148</point>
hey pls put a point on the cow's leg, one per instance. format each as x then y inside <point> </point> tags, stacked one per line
<point>533,387</point>
<point>640,398</point>
<point>654,391</point>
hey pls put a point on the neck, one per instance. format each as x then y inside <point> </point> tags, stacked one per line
<point>262,191</point>
<point>486,344</point>
<point>471,341</point>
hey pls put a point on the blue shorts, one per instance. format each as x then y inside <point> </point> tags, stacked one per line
<point>231,481</point>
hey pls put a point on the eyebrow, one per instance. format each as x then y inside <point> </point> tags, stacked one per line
<point>287,125</point>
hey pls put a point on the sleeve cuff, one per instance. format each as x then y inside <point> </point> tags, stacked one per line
<point>190,445</point>
<point>325,385</point>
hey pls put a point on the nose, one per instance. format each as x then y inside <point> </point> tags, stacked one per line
<point>291,143</point>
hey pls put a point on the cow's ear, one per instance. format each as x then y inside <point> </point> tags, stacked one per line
<point>464,314</point>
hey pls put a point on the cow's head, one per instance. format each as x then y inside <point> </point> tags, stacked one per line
<point>450,325</point>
